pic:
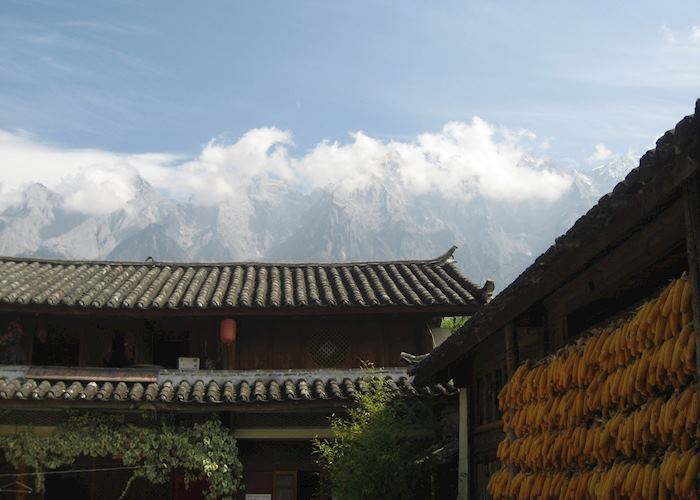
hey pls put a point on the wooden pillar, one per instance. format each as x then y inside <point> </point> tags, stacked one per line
<point>91,346</point>
<point>463,479</point>
<point>691,203</point>
<point>230,358</point>
<point>19,494</point>
<point>28,340</point>
<point>555,326</point>
<point>511,342</point>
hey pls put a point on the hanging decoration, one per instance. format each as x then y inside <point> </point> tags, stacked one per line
<point>227,331</point>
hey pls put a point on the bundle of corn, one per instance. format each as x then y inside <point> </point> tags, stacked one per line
<point>562,410</point>
<point>584,421</point>
<point>679,472</point>
<point>674,476</point>
<point>659,336</point>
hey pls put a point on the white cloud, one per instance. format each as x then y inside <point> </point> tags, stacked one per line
<point>695,34</point>
<point>93,181</point>
<point>99,189</point>
<point>668,34</point>
<point>546,144</point>
<point>679,37</point>
<point>601,153</point>
<point>462,160</point>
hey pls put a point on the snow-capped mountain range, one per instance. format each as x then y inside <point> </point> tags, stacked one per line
<point>275,222</point>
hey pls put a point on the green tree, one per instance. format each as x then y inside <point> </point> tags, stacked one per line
<point>453,323</point>
<point>376,448</point>
<point>203,451</point>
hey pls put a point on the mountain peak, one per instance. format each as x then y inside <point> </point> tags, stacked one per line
<point>37,187</point>
<point>616,169</point>
<point>36,196</point>
<point>607,175</point>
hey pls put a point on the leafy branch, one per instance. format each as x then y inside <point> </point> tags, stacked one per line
<point>374,451</point>
<point>204,451</point>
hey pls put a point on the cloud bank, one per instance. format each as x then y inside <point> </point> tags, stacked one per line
<point>602,153</point>
<point>678,36</point>
<point>462,160</point>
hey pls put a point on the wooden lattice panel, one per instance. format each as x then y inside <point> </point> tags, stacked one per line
<point>329,348</point>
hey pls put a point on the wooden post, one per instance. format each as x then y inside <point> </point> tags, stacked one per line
<point>28,341</point>
<point>230,357</point>
<point>511,342</point>
<point>463,465</point>
<point>691,202</point>
<point>555,326</point>
<point>20,495</point>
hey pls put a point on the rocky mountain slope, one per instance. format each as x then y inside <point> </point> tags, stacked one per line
<point>274,222</point>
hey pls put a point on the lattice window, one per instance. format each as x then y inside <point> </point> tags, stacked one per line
<point>329,348</point>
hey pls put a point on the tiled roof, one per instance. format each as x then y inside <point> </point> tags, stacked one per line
<point>159,285</point>
<point>660,174</point>
<point>201,390</point>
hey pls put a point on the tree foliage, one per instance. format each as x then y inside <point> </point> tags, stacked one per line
<point>203,451</point>
<point>376,448</point>
<point>453,323</point>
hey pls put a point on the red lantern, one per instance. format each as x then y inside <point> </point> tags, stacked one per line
<point>227,331</point>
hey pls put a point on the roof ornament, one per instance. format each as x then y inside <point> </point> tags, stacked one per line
<point>149,259</point>
<point>487,291</point>
<point>447,256</point>
<point>412,359</point>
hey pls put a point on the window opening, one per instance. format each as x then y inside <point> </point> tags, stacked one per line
<point>56,345</point>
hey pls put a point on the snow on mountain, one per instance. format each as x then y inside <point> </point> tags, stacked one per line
<point>607,175</point>
<point>273,221</point>
<point>37,216</point>
<point>150,240</point>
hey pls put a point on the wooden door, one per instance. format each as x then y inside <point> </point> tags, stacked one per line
<point>285,485</point>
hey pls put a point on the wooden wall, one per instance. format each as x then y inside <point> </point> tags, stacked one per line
<point>262,343</point>
<point>282,343</point>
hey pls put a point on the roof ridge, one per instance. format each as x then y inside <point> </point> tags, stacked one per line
<point>441,259</point>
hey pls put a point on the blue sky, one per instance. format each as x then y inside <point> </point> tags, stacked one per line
<point>168,76</point>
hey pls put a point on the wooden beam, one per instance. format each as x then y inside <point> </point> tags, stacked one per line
<point>283,433</point>
<point>691,203</point>
<point>307,432</point>
<point>618,269</point>
<point>463,479</point>
<point>555,325</point>
<point>511,348</point>
<point>434,310</point>
<point>240,433</point>
<point>297,407</point>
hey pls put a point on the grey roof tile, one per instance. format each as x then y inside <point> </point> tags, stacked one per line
<point>155,285</point>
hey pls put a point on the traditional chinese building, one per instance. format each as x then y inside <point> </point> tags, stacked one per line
<point>273,349</point>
